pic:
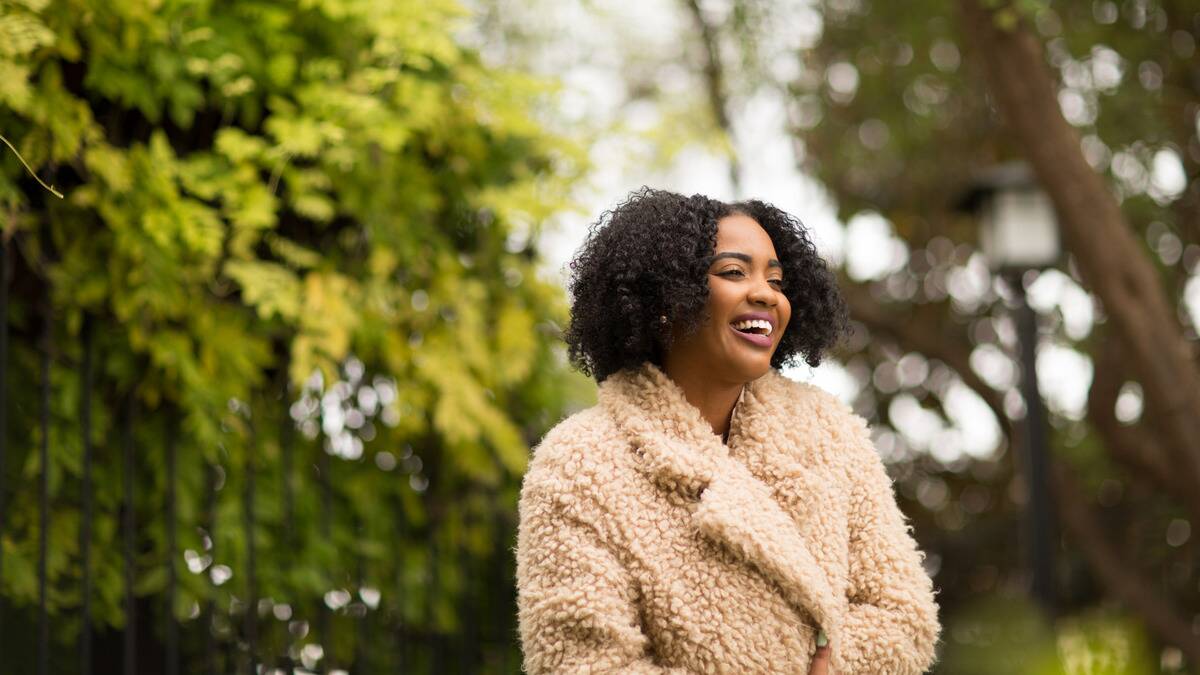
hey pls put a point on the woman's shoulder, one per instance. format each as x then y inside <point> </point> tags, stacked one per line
<point>809,410</point>
<point>806,397</point>
<point>575,447</point>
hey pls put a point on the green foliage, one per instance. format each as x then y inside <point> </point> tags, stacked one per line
<point>273,213</point>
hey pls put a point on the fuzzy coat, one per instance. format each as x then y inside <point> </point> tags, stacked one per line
<point>646,545</point>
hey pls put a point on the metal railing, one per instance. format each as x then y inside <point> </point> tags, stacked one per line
<point>485,643</point>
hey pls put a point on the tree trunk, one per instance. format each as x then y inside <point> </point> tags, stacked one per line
<point>714,77</point>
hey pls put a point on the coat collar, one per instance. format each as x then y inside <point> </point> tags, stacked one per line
<point>759,515</point>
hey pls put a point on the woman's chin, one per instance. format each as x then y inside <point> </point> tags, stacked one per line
<point>737,360</point>
<point>749,368</point>
<point>759,370</point>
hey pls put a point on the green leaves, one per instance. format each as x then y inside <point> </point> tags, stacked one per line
<point>14,85</point>
<point>272,289</point>
<point>22,33</point>
<point>516,344</point>
<point>465,416</point>
<point>321,195</point>
<point>327,321</point>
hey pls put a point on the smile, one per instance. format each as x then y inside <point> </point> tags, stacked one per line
<point>758,326</point>
<point>756,339</point>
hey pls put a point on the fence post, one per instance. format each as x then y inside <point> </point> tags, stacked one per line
<point>500,580</point>
<point>251,617</point>
<point>210,527</point>
<point>290,540</point>
<point>431,592</point>
<point>4,274</point>
<point>4,400</point>
<point>402,648</point>
<point>324,469</point>
<point>130,522</point>
<point>172,625</point>
<point>44,490</point>
<point>85,528</point>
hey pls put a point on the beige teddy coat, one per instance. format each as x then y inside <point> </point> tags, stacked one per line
<point>647,545</point>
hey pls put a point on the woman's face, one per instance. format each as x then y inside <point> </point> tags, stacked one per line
<point>745,284</point>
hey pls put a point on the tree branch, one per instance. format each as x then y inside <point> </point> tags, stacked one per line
<point>1131,444</point>
<point>714,77</point>
<point>916,336</point>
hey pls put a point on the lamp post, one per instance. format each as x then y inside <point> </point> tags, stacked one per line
<point>1018,233</point>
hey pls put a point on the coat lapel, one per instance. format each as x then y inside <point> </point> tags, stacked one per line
<point>763,524</point>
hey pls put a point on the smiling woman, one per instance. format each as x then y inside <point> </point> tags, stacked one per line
<point>711,515</point>
<point>642,279</point>
<point>745,315</point>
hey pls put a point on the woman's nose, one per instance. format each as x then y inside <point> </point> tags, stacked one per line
<point>762,293</point>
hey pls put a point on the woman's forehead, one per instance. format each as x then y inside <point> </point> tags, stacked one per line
<point>741,233</point>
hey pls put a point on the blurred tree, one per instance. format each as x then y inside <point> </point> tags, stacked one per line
<point>306,237</point>
<point>894,107</point>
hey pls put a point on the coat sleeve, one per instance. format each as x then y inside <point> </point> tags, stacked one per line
<point>576,601</point>
<point>891,624</point>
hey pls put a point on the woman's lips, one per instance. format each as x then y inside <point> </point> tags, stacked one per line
<point>753,338</point>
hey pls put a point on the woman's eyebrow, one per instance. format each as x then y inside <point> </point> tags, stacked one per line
<point>743,257</point>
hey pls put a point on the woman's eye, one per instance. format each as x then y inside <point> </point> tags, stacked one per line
<point>778,283</point>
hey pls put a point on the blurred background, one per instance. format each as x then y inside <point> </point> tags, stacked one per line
<point>283,288</point>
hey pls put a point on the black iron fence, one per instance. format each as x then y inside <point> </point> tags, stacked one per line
<point>224,632</point>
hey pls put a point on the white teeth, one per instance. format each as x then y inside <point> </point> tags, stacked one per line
<point>754,323</point>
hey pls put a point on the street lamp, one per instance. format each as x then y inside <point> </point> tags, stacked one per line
<point>1018,233</point>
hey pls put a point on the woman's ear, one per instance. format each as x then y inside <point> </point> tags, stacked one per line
<point>664,329</point>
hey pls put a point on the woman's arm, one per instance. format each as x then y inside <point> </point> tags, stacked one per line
<point>576,602</point>
<point>891,623</point>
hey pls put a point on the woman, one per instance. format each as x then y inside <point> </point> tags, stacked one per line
<point>710,515</point>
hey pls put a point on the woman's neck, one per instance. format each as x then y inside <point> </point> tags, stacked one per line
<point>715,400</point>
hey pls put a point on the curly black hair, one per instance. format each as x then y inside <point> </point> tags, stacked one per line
<point>648,258</point>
